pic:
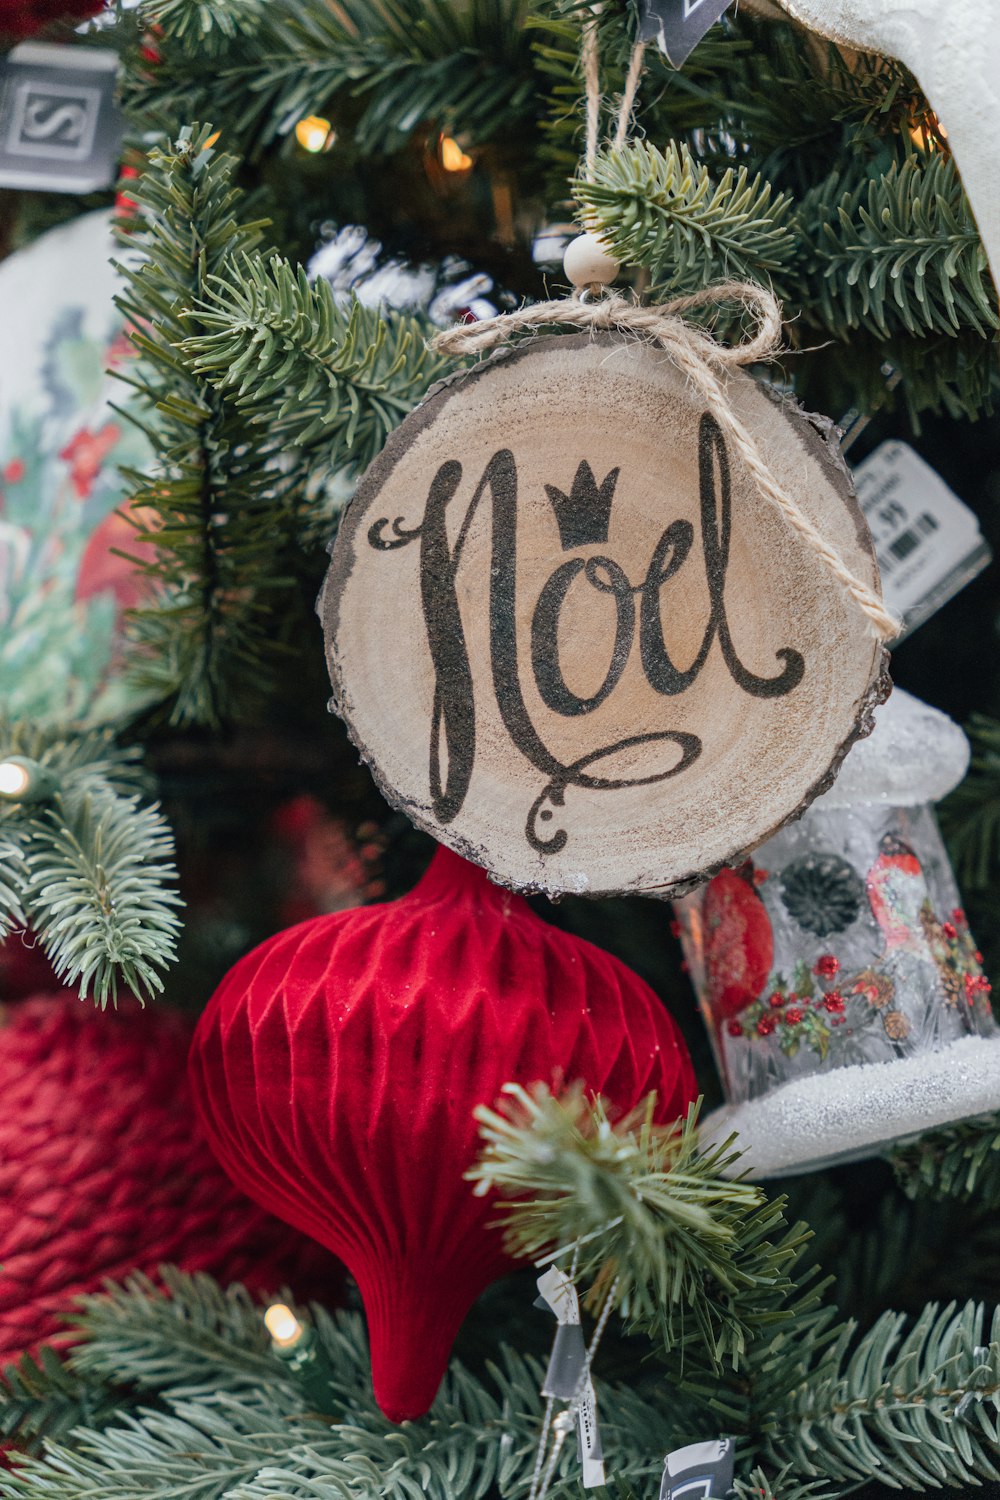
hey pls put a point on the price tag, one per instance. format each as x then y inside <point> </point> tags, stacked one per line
<point>928,542</point>
<point>60,129</point>
<point>565,1378</point>
<point>701,1471</point>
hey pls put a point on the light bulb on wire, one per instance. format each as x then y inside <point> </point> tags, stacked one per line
<point>25,780</point>
<point>315,134</point>
<point>928,134</point>
<point>301,1353</point>
<point>283,1326</point>
<point>453,158</point>
<point>14,780</point>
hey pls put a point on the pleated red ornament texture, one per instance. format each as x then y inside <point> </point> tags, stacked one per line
<point>337,1067</point>
<point>104,1169</point>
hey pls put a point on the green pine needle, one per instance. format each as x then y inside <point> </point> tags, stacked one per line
<point>970,817</point>
<point>91,870</point>
<point>94,894</point>
<point>232,1420</point>
<point>382,71</point>
<point>887,1406</point>
<point>13,874</point>
<point>214,507</point>
<point>305,369</point>
<point>961,1161</point>
<point>207,26</point>
<point>661,209</point>
<point>42,1399</point>
<point>899,250</point>
<point>781,1486</point>
<point>197,1336</point>
<point>644,1211</point>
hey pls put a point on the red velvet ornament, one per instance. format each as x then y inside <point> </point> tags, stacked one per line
<point>337,1067</point>
<point>103,1169</point>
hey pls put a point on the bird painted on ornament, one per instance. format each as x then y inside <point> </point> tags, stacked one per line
<point>739,943</point>
<point>898,896</point>
<point>952,50</point>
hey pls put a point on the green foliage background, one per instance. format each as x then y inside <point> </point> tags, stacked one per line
<point>769,156</point>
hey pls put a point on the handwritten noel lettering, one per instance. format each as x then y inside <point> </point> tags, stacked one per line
<point>583,518</point>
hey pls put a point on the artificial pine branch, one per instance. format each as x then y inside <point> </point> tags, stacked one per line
<point>898,250</point>
<point>206,25</point>
<point>95,894</point>
<point>961,1161</point>
<point>42,1399</point>
<point>214,506</point>
<point>13,877</point>
<point>198,1335</point>
<point>661,209</point>
<point>805,1391</point>
<point>970,817</point>
<point>644,1212</point>
<point>915,1407</point>
<point>758,1485</point>
<point>380,72</point>
<point>305,369</point>
<point>233,1419</point>
<point>90,869</point>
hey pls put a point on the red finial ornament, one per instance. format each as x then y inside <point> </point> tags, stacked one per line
<point>337,1067</point>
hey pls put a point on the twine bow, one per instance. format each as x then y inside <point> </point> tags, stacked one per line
<point>704,362</point>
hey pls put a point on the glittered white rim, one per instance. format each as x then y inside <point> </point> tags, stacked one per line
<point>855,1111</point>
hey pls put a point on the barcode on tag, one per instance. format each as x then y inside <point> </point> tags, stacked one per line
<point>928,542</point>
<point>901,548</point>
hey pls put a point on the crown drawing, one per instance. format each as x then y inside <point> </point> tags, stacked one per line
<point>584,515</point>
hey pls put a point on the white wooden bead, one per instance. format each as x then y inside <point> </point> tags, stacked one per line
<point>586,260</point>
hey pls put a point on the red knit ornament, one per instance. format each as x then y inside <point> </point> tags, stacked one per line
<point>23,18</point>
<point>103,1169</point>
<point>338,1065</point>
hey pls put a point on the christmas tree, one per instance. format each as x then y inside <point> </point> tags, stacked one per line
<point>329,216</point>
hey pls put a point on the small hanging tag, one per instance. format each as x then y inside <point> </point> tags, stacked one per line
<point>701,1471</point>
<point>60,129</point>
<point>566,1367</point>
<point>928,542</point>
<point>677,26</point>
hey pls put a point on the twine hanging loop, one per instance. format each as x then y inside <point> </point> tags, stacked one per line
<point>704,361</point>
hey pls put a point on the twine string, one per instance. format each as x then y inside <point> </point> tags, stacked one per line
<point>590,59</point>
<point>704,362</point>
<point>701,358</point>
<point>591,64</point>
<point>627,104</point>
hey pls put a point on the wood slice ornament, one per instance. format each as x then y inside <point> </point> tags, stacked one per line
<point>575,642</point>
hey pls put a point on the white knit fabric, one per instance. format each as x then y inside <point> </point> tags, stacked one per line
<point>953,49</point>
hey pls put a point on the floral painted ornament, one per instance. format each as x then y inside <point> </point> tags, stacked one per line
<point>873,1020</point>
<point>63,586</point>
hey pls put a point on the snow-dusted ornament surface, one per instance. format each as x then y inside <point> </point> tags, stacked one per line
<point>952,49</point>
<point>842,989</point>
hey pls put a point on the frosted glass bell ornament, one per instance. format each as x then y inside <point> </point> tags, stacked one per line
<point>842,989</point>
